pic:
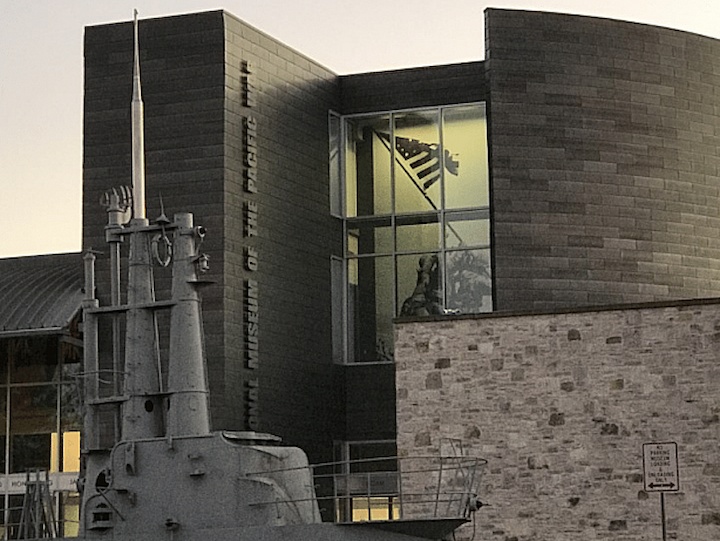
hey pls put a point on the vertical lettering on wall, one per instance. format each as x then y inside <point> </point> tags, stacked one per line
<point>251,219</point>
<point>248,89</point>
<point>250,140</point>
<point>251,253</point>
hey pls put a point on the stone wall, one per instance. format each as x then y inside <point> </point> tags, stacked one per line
<point>560,405</point>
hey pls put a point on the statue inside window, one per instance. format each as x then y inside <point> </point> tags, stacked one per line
<point>425,299</point>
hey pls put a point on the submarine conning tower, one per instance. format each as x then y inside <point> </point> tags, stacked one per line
<point>146,409</point>
<point>151,467</point>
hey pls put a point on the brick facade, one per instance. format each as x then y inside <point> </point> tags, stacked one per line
<point>414,87</point>
<point>605,157</point>
<point>560,405</point>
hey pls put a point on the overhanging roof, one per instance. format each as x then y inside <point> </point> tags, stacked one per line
<point>39,294</point>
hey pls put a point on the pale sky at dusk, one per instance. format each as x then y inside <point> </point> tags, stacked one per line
<point>41,63</point>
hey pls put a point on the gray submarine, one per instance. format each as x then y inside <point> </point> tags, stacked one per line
<point>163,473</point>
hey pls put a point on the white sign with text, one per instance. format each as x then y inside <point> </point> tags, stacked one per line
<point>660,467</point>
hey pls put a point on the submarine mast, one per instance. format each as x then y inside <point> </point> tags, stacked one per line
<point>142,411</point>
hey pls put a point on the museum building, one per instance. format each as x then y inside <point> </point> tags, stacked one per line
<point>577,165</point>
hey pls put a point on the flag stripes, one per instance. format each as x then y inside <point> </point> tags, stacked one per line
<point>423,159</point>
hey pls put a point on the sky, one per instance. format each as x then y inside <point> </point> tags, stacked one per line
<point>41,75</point>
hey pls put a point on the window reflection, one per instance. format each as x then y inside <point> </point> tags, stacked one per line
<point>468,282</point>
<point>370,237</point>
<point>370,309</point>
<point>465,134</point>
<point>33,418</point>
<point>65,452</point>
<point>40,420</point>
<point>32,359</point>
<point>33,408</point>
<point>419,285</point>
<point>417,164</point>
<point>367,167</point>
<point>467,229</point>
<point>334,165</point>
<point>70,513</point>
<point>29,452</point>
<point>366,486</point>
<point>417,233</point>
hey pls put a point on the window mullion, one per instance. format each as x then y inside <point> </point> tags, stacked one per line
<point>441,255</point>
<point>393,221</point>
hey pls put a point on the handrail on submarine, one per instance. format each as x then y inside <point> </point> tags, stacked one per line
<point>440,486</point>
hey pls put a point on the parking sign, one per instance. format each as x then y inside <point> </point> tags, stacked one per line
<point>660,467</point>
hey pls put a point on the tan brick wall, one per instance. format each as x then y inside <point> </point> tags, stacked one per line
<point>560,405</point>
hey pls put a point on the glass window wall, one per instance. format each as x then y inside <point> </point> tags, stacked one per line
<point>366,486</point>
<point>465,139</point>
<point>40,420</point>
<point>367,167</point>
<point>417,220</point>
<point>417,161</point>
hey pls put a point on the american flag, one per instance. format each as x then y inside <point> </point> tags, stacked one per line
<point>423,159</point>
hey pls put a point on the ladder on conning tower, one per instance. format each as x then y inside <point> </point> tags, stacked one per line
<point>37,519</point>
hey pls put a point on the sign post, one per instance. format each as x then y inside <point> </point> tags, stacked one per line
<point>661,473</point>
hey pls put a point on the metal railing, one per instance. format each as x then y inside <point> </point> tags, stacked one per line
<point>394,488</point>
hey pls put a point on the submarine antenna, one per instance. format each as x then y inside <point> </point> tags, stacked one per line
<point>138,129</point>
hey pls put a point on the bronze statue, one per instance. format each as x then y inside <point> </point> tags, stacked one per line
<point>425,299</point>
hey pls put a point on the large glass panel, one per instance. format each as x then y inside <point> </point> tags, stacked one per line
<point>70,513</point>
<point>468,281</point>
<point>337,282</point>
<point>370,309</point>
<point>375,508</point>
<point>32,359</point>
<point>467,229</point>
<point>65,452</point>
<point>418,164</point>
<point>4,361</point>
<point>370,237</point>
<point>334,159</point>
<point>416,186</point>
<point>367,167</point>
<point>70,426</point>
<point>70,407</point>
<point>14,514</point>
<point>364,455</point>
<point>465,139</point>
<point>418,285</point>
<point>71,353</point>
<point>417,233</point>
<point>368,481</point>
<point>33,419</point>
<point>4,391</point>
<point>71,394</point>
<point>30,451</point>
